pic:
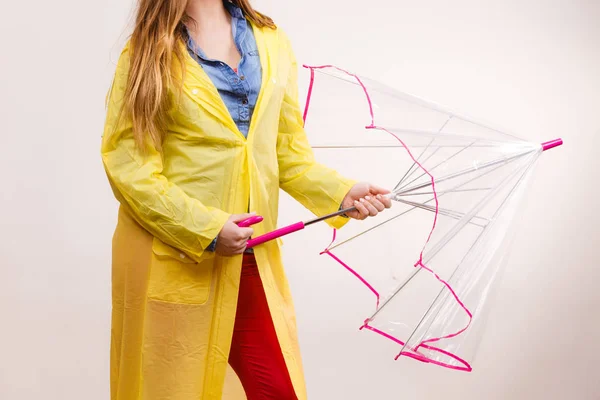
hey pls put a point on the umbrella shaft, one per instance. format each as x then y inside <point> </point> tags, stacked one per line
<point>335,214</point>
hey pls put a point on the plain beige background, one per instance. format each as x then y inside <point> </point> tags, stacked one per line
<point>532,66</point>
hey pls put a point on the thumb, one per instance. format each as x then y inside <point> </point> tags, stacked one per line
<point>241,217</point>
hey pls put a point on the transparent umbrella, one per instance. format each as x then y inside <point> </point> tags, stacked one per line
<point>457,185</point>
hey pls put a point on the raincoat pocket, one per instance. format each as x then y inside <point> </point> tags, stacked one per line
<point>177,278</point>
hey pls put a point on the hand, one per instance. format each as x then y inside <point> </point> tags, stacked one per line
<point>232,239</point>
<point>368,199</point>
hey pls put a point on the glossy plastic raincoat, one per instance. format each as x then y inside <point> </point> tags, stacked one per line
<point>174,304</point>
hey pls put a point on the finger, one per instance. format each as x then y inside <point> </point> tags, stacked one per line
<point>372,210</point>
<point>378,190</point>
<point>241,241</point>
<point>244,233</point>
<point>386,201</point>
<point>241,217</point>
<point>226,251</point>
<point>238,244</point>
<point>234,248</point>
<point>363,212</point>
<point>239,250</point>
<point>376,203</point>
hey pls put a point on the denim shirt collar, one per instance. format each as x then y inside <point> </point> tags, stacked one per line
<point>239,27</point>
<point>234,10</point>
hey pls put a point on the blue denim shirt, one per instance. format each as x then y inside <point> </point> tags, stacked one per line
<point>239,91</point>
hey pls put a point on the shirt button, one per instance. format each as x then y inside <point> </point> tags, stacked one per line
<point>194,91</point>
<point>245,101</point>
<point>242,77</point>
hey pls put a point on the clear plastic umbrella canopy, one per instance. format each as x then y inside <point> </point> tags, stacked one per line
<point>431,262</point>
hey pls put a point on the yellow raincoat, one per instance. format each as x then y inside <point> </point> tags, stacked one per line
<point>173,303</point>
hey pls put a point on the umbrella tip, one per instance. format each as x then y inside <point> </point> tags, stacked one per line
<point>551,144</point>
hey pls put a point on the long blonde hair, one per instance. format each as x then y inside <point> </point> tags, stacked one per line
<point>154,45</point>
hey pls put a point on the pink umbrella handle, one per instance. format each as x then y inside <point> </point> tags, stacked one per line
<point>250,221</point>
<point>286,230</point>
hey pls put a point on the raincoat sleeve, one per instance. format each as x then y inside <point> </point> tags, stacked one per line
<point>318,188</point>
<point>160,206</point>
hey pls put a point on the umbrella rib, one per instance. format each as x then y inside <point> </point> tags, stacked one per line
<point>445,191</point>
<point>409,171</point>
<point>372,228</point>
<point>479,205</point>
<point>437,249</point>
<point>391,146</point>
<point>502,161</point>
<point>440,163</point>
<point>479,236</point>
<point>411,209</point>
<point>445,212</point>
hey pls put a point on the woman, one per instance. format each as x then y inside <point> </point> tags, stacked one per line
<point>203,124</point>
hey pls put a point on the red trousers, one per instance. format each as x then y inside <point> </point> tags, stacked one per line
<point>255,352</point>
